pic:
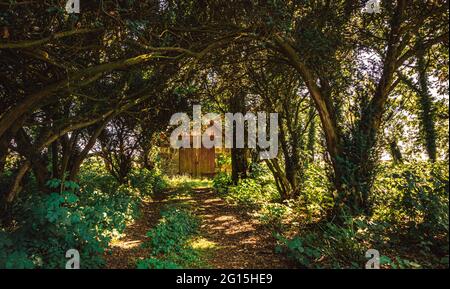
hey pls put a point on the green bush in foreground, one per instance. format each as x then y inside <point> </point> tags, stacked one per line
<point>83,217</point>
<point>333,246</point>
<point>147,182</point>
<point>168,240</point>
<point>248,192</point>
<point>408,225</point>
<point>221,182</point>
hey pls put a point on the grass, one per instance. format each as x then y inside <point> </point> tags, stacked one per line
<point>196,250</point>
<point>185,182</point>
<point>199,251</point>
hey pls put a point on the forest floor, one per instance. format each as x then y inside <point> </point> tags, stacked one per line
<point>229,237</point>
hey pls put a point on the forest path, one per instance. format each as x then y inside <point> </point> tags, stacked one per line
<point>231,237</point>
<point>125,252</point>
<point>243,243</point>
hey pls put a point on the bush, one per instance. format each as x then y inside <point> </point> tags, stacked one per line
<point>260,171</point>
<point>316,197</point>
<point>331,246</point>
<point>300,249</point>
<point>147,182</point>
<point>249,192</point>
<point>408,225</point>
<point>259,188</point>
<point>176,226</point>
<point>273,215</point>
<point>398,263</point>
<point>223,161</point>
<point>221,182</point>
<point>414,198</point>
<point>155,263</point>
<point>168,240</point>
<point>47,225</point>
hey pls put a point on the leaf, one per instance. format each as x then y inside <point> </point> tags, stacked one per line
<point>53,183</point>
<point>72,199</point>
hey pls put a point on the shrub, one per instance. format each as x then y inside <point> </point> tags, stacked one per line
<point>398,263</point>
<point>47,225</point>
<point>273,215</point>
<point>316,196</point>
<point>330,246</point>
<point>155,263</point>
<point>409,224</point>
<point>221,182</point>
<point>148,182</point>
<point>300,249</point>
<point>176,226</point>
<point>169,240</point>
<point>414,198</point>
<point>249,192</point>
<point>223,161</point>
<point>259,171</point>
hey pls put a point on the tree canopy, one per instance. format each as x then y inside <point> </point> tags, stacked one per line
<point>353,90</point>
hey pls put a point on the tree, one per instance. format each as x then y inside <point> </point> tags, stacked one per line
<point>352,150</point>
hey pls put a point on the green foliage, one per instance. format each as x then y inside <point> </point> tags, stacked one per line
<point>223,161</point>
<point>83,217</point>
<point>169,240</point>
<point>414,199</point>
<point>249,192</point>
<point>324,47</point>
<point>176,226</point>
<point>273,214</point>
<point>221,182</point>
<point>301,249</point>
<point>316,192</point>
<point>256,190</point>
<point>398,263</point>
<point>51,225</point>
<point>259,171</point>
<point>10,257</point>
<point>408,225</point>
<point>155,263</point>
<point>94,176</point>
<point>147,182</point>
<point>330,246</point>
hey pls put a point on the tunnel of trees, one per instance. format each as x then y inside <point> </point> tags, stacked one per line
<point>362,99</point>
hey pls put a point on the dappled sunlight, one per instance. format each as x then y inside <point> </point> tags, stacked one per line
<point>185,182</point>
<point>224,134</point>
<point>244,243</point>
<point>203,243</point>
<point>127,244</point>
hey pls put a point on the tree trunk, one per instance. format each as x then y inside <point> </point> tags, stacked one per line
<point>5,141</point>
<point>55,160</point>
<point>16,186</point>
<point>3,155</point>
<point>147,163</point>
<point>395,152</point>
<point>354,159</point>
<point>426,108</point>
<point>311,134</point>
<point>293,172</point>
<point>239,164</point>
<point>78,160</point>
<point>282,183</point>
<point>38,164</point>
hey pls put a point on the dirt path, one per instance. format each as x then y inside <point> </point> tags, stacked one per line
<point>243,242</point>
<point>240,241</point>
<point>125,252</point>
